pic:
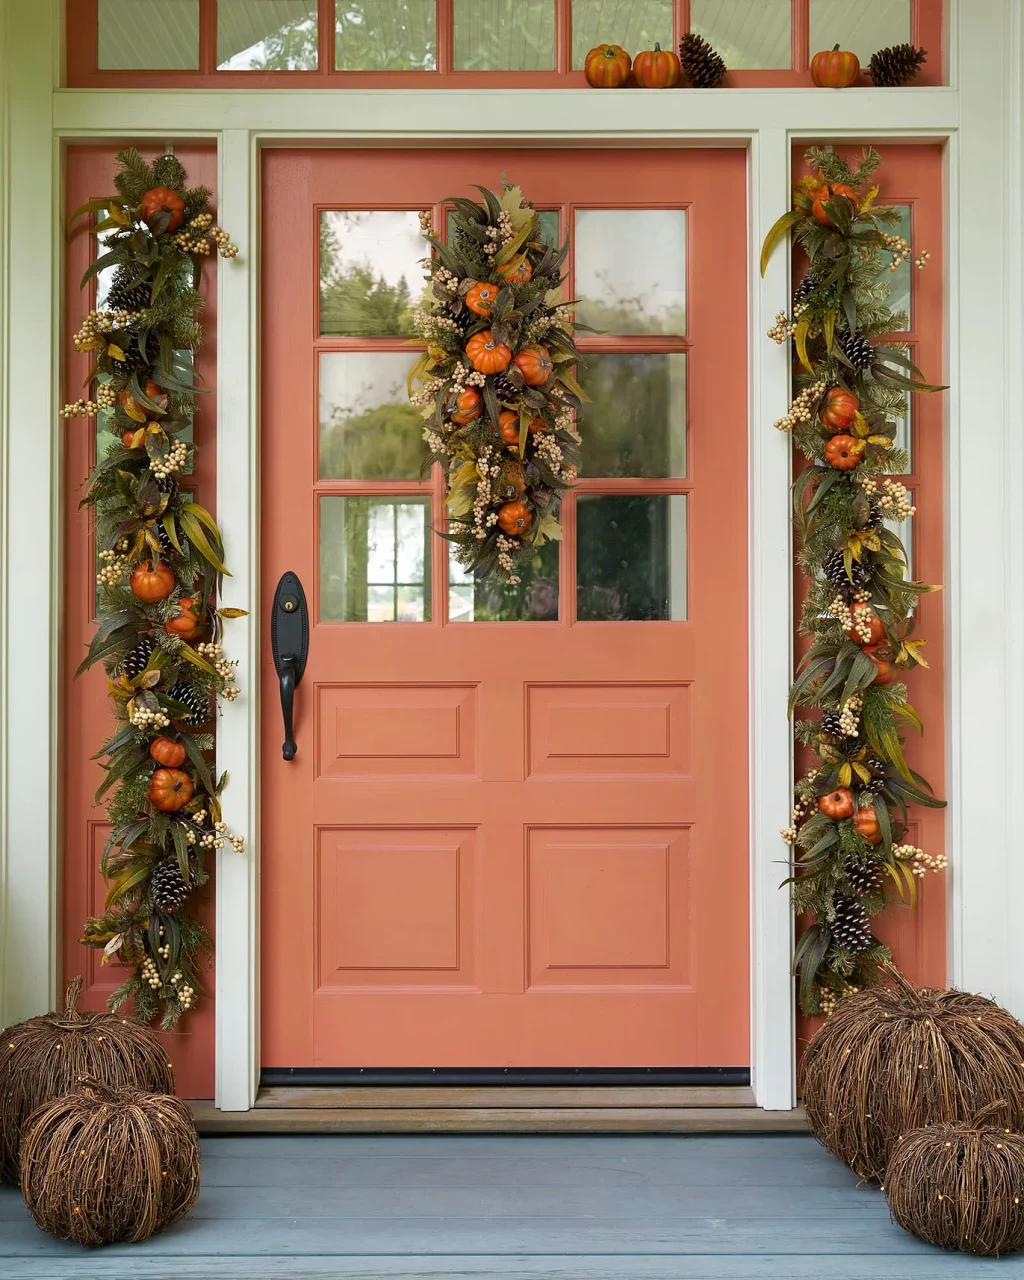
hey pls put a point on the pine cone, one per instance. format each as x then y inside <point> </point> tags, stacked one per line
<point>875,518</point>
<point>137,660</point>
<point>167,547</point>
<point>133,361</point>
<point>701,65</point>
<point>834,569</point>
<point>859,352</point>
<point>896,65</point>
<point>851,928</point>
<point>504,388</point>
<point>121,297</point>
<point>195,699</point>
<point>864,878</point>
<point>804,289</point>
<point>167,886</point>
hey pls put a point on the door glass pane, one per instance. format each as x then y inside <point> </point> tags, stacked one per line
<point>368,428</point>
<point>157,35</point>
<point>374,559</point>
<point>504,35</point>
<point>633,24</point>
<point>862,28</point>
<point>385,35</point>
<point>900,281</point>
<point>635,425</point>
<point>747,35</point>
<point>631,270</point>
<point>904,435</point>
<point>370,272</point>
<point>266,35</point>
<point>631,557</point>
<point>904,530</point>
<point>534,600</point>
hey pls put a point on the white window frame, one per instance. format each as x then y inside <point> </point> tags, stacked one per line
<point>979,116</point>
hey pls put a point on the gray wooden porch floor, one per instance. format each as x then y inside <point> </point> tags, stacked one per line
<point>534,1208</point>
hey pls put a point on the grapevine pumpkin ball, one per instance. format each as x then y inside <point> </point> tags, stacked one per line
<point>497,385</point>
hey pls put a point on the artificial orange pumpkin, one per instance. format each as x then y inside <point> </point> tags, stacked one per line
<point>167,752</point>
<point>468,405</point>
<point>481,298</point>
<point>843,452</point>
<point>834,68</point>
<point>169,790</point>
<point>517,270</point>
<point>863,612</point>
<point>487,355</point>
<point>188,625</point>
<point>606,67</point>
<point>164,200</point>
<point>881,656</point>
<point>515,519</point>
<point>656,68</point>
<point>839,410</point>
<point>511,481</point>
<point>866,822</point>
<point>829,191</point>
<point>508,424</point>
<point>128,440</point>
<point>837,804</point>
<point>535,364</point>
<point>152,584</point>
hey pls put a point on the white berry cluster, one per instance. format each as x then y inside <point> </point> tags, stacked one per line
<point>803,807</point>
<point>505,548</point>
<point>149,973</point>
<point>499,236</point>
<point>803,407</point>
<point>112,568</point>
<point>426,393</point>
<point>448,282</point>
<point>106,396</point>
<point>175,460</point>
<point>920,861</point>
<point>483,517</point>
<point>186,994</point>
<point>426,221</point>
<point>548,448</point>
<point>224,668</point>
<point>828,999</point>
<point>98,323</point>
<point>143,718</point>
<point>855,620</point>
<point>429,323</point>
<point>80,409</point>
<point>899,250</point>
<point>201,233</point>
<point>783,328</point>
<point>849,717</point>
<point>894,500</point>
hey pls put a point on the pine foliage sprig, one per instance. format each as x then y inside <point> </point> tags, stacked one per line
<point>143,346</point>
<point>851,809</point>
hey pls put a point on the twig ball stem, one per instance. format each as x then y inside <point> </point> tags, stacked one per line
<point>895,1058</point>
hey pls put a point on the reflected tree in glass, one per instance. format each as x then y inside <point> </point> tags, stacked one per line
<point>366,261</point>
<point>266,35</point>
<point>374,565</point>
<point>385,35</point>
<point>631,270</point>
<point>504,35</point>
<point>635,423</point>
<point>535,599</point>
<point>631,557</point>
<point>368,428</point>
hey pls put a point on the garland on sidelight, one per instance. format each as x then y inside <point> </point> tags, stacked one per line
<point>495,383</point>
<point>160,564</point>
<point>850,814</point>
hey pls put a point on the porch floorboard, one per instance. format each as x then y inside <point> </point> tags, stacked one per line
<point>653,1207</point>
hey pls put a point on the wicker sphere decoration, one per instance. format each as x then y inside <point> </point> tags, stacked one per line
<point>44,1057</point>
<point>961,1186</point>
<point>103,1164</point>
<point>896,1058</point>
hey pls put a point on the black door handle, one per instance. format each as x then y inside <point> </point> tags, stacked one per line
<point>289,639</point>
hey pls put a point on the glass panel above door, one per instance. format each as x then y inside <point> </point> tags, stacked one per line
<point>385,35</point>
<point>632,24</point>
<point>161,36</point>
<point>635,423</point>
<point>370,273</point>
<point>631,270</point>
<point>504,35</point>
<point>368,428</point>
<point>747,35</point>
<point>374,559</point>
<point>266,35</point>
<point>862,27</point>
<point>631,557</point>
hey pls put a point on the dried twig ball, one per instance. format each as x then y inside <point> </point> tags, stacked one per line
<point>961,1186</point>
<point>896,1058</point>
<point>43,1058</point>
<point>102,1164</point>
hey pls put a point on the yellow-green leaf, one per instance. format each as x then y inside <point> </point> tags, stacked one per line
<point>777,233</point>
<point>118,213</point>
<point>194,532</point>
<point>845,775</point>
<point>800,338</point>
<point>233,613</point>
<point>129,880</point>
<point>828,327</point>
<point>862,773</point>
<point>190,655</point>
<point>203,515</point>
<point>172,532</point>
<point>570,384</point>
<point>547,530</point>
<point>514,245</point>
<point>115,352</point>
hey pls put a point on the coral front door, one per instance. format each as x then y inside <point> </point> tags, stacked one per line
<point>515,832</point>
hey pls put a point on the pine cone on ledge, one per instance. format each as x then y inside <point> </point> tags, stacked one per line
<point>897,65</point>
<point>701,65</point>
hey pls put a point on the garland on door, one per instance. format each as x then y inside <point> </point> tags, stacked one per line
<point>850,815</point>
<point>160,559</point>
<point>495,383</point>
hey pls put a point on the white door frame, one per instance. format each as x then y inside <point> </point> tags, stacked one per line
<point>979,114</point>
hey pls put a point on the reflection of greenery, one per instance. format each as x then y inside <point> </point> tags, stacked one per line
<point>635,423</point>
<point>504,35</point>
<point>384,443</point>
<point>291,48</point>
<point>354,301</point>
<point>345,553</point>
<point>398,35</point>
<point>534,600</point>
<point>623,564</point>
<point>629,316</point>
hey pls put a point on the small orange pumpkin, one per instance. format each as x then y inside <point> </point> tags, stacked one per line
<point>469,405</point>
<point>150,584</point>
<point>656,68</point>
<point>834,68</point>
<point>862,610</point>
<point>866,822</point>
<point>515,519</point>
<point>829,191</point>
<point>481,298</point>
<point>837,804</point>
<point>517,270</point>
<point>169,790</point>
<point>606,67</point>
<point>188,625</point>
<point>487,355</point>
<point>843,452</point>
<point>535,364</point>
<point>128,440</point>
<point>508,424</point>
<point>164,200</point>
<point>839,410</point>
<point>167,752</point>
<point>881,656</point>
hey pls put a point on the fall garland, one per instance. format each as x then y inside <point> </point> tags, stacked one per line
<point>851,809</point>
<point>495,383</point>
<point>160,564</point>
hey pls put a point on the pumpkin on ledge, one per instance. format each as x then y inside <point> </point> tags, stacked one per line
<point>834,68</point>
<point>607,66</point>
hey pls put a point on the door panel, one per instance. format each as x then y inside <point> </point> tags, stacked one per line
<point>515,832</point>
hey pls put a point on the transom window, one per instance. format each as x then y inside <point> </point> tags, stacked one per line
<point>525,43</point>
